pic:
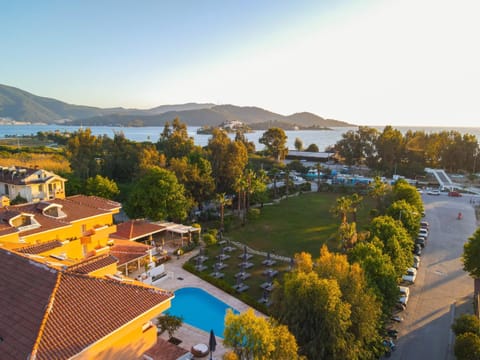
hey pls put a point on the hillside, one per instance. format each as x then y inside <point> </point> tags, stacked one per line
<point>19,105</point>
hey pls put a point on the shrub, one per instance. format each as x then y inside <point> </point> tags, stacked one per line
<point>253,213</point>
<point>467,346</point>
<point>209,239</point>
<point>230,355</point>
<point>466,323</point>
<point>18,200</point>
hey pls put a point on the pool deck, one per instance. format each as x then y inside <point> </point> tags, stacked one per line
<point>188,334</point>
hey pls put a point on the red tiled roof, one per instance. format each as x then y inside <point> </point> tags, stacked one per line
<point>93,264</point>
<point>164,350</point>
<point>25,290</point>
<point>93,202</point>
<point>126,251</point>
<point>39,248</point>
<point>134,229</point>
<point>75,208</point>
<point>55,315</point>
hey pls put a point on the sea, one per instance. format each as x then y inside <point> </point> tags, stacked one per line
<point>322,138</point>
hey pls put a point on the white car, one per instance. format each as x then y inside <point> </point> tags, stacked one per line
<point>404,295</point>
<point>410,276</point>
<point>433,192</point>
<point>423,232</point>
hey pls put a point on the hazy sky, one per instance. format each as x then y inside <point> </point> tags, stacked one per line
<point>372,62</point>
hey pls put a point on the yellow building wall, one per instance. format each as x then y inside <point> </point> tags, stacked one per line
<point>74,230</point>
<point>107,270</point>
<point>9,238</point>
<point>129,342</point>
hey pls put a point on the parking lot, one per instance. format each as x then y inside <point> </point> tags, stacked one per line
<point>442,290</point>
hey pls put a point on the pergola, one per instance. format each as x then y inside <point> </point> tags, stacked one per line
<point>130,255</point>
<point>179,229</point>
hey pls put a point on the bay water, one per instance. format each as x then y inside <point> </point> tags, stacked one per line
<point>322,138</point>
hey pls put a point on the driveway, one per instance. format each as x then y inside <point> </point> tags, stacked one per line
<point>442,289</point>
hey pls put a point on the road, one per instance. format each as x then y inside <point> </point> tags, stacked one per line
<point>442,289</point>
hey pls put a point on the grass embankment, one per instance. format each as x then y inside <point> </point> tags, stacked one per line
<point>300,223</point>
<point>30,152</point>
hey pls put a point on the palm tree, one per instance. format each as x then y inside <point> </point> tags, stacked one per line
<point>378,190</point>
<point>318,167</point>
<point>356,201</point>
<point>342,207</point>
<point>222,200</point>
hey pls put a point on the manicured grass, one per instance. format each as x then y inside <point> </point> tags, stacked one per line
<point>301,223</point>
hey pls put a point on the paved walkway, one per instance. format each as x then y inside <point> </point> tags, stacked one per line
<point>181,278</point>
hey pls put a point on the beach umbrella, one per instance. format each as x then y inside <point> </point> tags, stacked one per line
<point>212,343</point>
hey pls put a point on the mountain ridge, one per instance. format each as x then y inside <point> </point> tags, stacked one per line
<point>21,106</point>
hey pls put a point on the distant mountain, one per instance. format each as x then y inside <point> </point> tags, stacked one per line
<point>309,119</point>
<point>19,105</point>
<point>22,106</point>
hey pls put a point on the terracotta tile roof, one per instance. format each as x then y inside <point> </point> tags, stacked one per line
<point>39,248</point>
<point>25,290</point>
<point>75,208</point>
<point>93,202</point>
<point>93,264</point>
<point>164,350</point>
<point>126,251</point>
<point>134,229</point>
<point>6,229</point>
<point>55,315</point>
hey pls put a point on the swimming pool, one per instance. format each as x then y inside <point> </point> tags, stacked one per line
<point>200,309</point>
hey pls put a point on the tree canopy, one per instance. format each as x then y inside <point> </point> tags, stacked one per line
<point>471,255</point>
<point>275,141</point>
<point>255,337</point>
<point>101,186</point>
<point>157,196</point>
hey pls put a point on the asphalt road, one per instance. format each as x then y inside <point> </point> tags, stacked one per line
<point>442,289</point>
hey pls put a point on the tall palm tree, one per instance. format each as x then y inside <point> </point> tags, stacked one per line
<point>223,201</point>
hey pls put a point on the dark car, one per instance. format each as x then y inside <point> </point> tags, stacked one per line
<point>421,240</point>
<point>417,250</point>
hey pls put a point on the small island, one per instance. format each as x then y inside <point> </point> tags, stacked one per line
<point>228,126</point>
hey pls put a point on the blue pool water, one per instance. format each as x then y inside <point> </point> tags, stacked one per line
<point>200,309</point>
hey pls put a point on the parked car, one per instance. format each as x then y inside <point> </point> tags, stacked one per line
<point>404,295</point>
<point>416,261</point>
<point>423,232</point>
<point>421,240</point>
<point>454,194</point>
<point>417,250</point>
<point>433,192</point>
<point>410,276</point>
<point>424,225</point>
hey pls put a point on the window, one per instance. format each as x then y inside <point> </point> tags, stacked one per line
<point>40,188</point>
<point>6,189</point>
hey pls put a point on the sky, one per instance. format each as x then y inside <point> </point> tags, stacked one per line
<point>367,62</point>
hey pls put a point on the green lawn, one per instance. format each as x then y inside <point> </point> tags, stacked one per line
<point>301,223</point>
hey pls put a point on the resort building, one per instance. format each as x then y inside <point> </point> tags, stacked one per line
<point>31,184</point>
<point>74,228</point>
<point>52,312</point>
